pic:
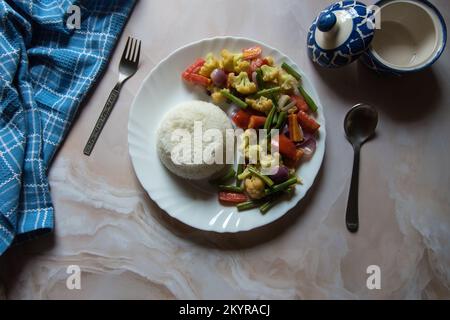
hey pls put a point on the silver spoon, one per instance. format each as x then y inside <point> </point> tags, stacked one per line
<point>359,125</point>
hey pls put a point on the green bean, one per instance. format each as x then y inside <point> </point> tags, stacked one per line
<point>259,79</point>
<point>282,186</point>
<point>231,188</point>
<point>224,178</point>
<point>267,92</point>
<point>275,119</point>
<point>264,208</point>
<point>248,205</point>
<point>240,169</point>
<point>233,99</point>
<point>264,178</point>
<point>268,122</point>
<point>291,71</point>
<point>281,118</point>
<point>309,101</point>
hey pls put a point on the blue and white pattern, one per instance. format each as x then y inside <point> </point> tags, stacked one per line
<point>46,71</point>
<point>356,44</point>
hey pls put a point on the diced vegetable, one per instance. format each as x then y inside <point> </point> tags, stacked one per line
<point>287,147</point>
<point>242,83</point>
<point>241,119</point>
<point>254,186</point>
<point>262,104</point>
<point>251,53</point>
<point>286,81</point>
<point>219,77</point>
<point>312,105</point>
<point>224,178</point>
<point>264,178</point>
<point>268,92</point>
<point>210,64</point>
<point>294,130</point>
<point>232,197</point>
<point>264,208</point>
<point>291,71</point>
<point>283,186</point>
<point>269,73</point>
<point>256,64</point>
<point>248,205</point>
<point>268,123</point>
<point>308,123</point>
<point>240,169</point>
<point>230,188</point>
<point>233,98</point>
<point>300,103</point>
<point>256,122</point>
<point>281,175</point>
<point>259,79</point>
<point>281,119</point>
<point>197,79</point>
<point>193,68</point>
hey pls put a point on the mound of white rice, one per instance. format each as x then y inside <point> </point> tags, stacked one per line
<point>183,117</point>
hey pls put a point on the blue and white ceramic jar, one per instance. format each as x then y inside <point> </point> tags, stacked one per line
<point>393,37</point>
<point>340,34</point>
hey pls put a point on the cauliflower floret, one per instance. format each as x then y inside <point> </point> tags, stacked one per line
<point>240,65</point>
<point>261,104</point>
<point>249,146</point>
<point>269,161</point>
<point>287,81</point>
<point>233,62</point>
<point>242,83</point>
<point>269,60</point>
<point>227,60</point>
<point>269,73</point>
<point>217,97</point>
<point>211,63</point>
<point>254,187</point>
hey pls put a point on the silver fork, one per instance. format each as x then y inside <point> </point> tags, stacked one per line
<point>127,68</point>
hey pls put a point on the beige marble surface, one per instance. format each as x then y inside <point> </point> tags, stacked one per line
<point>127,248</point>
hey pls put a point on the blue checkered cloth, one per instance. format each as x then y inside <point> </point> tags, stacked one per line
<point>46,69</point>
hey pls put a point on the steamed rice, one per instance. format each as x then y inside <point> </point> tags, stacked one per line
<point>183,117</point>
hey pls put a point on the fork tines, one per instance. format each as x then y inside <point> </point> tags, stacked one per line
<point>132,50</point>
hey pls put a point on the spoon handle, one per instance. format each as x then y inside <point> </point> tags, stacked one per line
<point>351,217</point>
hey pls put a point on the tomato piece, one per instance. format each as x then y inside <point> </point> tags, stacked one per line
<point>193,68</point>
<point>287,147</point>
<point>241,119</point>
<point>252,52</point>
<point>256,122</point>
<point>257,63</point>
<point>307,123</point>
<point>293,163</point>
<point>198,79</point>
<point>232,197</point>
<point>300,103</point>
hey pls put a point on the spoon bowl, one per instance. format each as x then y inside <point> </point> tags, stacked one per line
<point>359,125</point>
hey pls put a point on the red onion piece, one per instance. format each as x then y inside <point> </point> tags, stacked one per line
<point>255,81</point>
<point>219,78</point>
<point>308,146</point>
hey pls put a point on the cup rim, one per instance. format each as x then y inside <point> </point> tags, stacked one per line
<point>433,58</point>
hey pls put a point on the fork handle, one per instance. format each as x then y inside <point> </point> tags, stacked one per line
<point>112,99</point>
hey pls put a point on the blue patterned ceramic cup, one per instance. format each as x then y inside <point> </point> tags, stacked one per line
<point>412,36</point>
<point>392,36</point>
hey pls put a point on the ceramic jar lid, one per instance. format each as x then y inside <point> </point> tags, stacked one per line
<point>341,33</point>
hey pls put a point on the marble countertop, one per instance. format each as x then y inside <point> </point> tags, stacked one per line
<point>128,248</point>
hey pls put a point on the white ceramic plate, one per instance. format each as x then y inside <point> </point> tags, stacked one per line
<point>196,204</point>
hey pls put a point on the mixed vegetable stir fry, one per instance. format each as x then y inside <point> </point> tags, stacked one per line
<point>261,95</point>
